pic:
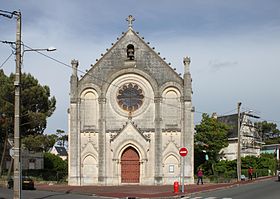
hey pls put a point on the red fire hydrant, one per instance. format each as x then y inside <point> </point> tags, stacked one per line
<point>176,187</point>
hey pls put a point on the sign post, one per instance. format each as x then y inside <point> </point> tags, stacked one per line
<point>183,152</point>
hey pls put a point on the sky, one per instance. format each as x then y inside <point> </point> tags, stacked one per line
<point>234,46</point>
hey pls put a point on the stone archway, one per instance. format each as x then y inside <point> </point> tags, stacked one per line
<point>130,166</point>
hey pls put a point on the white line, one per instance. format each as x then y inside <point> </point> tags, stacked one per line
<point>211,198</point>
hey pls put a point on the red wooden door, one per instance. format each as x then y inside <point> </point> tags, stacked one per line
<point>130,166</point>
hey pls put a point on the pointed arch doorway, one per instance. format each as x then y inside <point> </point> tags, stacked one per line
<point>130,166</point>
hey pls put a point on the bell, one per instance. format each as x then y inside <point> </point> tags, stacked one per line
<point>130,53</point>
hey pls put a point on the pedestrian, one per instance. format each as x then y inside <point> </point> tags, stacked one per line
<point>250,173</point>
<point>199,176</point>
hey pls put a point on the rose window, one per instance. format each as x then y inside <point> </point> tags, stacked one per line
<point>130,97</point>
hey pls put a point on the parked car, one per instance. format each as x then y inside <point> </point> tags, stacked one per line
<point>278,174</point>
<point>27,183</point>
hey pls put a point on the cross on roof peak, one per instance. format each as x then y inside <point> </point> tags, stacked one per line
<point>130,19</point>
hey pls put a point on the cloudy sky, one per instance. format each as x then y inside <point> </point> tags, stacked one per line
<point>234,46</point>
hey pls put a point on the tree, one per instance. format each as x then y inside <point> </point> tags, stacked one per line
<point>6,113</point>
<point>55,163</point>
<point>36,103</point>
<point>39,142</point>
<point>211,136</point>
<point>62,139</point>
<point>269,132</point>
<point>6,104</point>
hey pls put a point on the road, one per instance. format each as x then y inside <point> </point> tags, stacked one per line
<point>35,194</point>
<point>268,189</point>
<point>263,189</point>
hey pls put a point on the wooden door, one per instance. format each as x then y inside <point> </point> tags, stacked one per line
<point>130,166</point>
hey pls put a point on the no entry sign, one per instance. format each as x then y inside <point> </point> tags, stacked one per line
<point>183,152</point>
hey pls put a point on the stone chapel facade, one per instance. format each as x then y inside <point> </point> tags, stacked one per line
<point>128,117</point>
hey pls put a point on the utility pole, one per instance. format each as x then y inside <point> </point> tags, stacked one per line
<point>238,144</point>
<point>17,84</point>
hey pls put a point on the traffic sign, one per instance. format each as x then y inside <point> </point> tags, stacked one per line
<point>183,152</point>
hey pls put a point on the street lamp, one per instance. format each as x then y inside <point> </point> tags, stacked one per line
<point>41,49</point>
<point>17,136</point>
<point>50,49</point>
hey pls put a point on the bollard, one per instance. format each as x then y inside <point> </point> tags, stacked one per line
<point>176,187</point>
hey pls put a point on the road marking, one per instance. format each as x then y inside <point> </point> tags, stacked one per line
<point>187,197</point>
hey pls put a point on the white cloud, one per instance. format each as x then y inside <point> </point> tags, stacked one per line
<point>218,64</point>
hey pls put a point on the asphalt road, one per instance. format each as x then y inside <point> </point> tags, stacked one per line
<point>35,194</point>
<point>263,189</point>
<point>267,189</point>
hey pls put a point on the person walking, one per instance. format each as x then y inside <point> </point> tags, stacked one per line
<point>250,173</point>
<point>199,176</point>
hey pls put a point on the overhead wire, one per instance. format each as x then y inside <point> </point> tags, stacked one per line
<point>11,44</point>
<point>110,83</point>
<point>226,113</point>
<point>99,79</point>
<point>6,60</point>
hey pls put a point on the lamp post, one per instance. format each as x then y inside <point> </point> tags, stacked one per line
<point>36,50</point>
<point>17,136</point>
<point>17,84</point>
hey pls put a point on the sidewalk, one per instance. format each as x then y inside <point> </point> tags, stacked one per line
<point>140,191</point>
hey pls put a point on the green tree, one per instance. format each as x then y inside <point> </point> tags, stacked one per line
<point>62,138</point>
<point>268,131</point>
<point>6,111</point>
<point>39,142</point>
<point>52,140</point>
<point>211,136</point>
<point>55,163</point>
<point>6,108</point>
<point>36,103</point>
<point>263,165</point>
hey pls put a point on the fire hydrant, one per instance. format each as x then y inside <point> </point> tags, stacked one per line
<point>176,187</point>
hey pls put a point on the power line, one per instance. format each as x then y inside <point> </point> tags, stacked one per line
<point>229,112</point>
<point>6,60</point>
<point>110,83</point>
<point>99,79</point>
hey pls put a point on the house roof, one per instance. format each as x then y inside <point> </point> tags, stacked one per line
<point>61,151</point>
<point>115,59</point>
<point>231,120</point>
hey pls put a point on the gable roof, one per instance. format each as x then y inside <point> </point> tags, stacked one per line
<point>61,151</point>
<point>132,124</point>
<point>115,59</point>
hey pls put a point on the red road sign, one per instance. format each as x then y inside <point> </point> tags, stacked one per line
<point>183,152</point>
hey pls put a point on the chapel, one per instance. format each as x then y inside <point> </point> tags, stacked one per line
<point>129,116</point>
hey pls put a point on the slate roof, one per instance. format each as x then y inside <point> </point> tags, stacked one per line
<point>146,60</point>
<point>231,120</point>
<point>61,151</point>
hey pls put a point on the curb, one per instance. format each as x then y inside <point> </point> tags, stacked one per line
<point>124,194</point>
